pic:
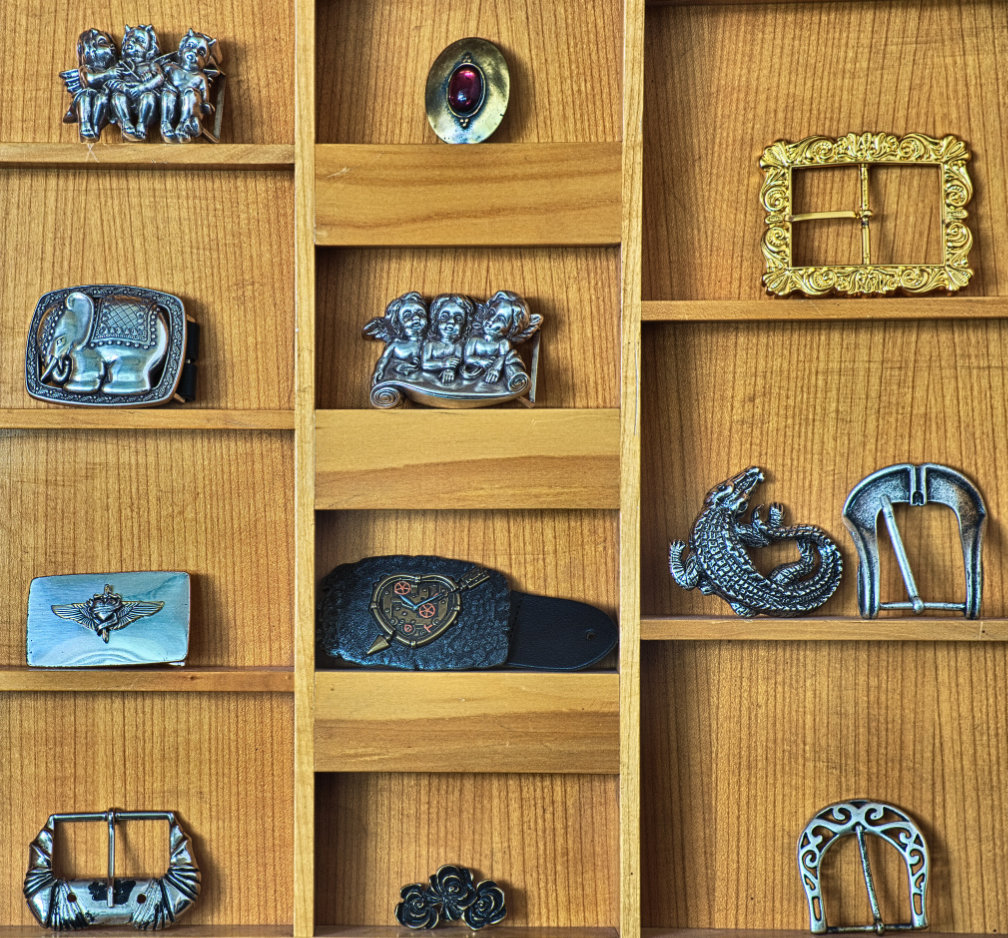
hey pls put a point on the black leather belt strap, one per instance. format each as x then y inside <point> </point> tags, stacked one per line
<point>433,613</point>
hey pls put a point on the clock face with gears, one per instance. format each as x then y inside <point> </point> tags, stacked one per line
<point>413,610</point>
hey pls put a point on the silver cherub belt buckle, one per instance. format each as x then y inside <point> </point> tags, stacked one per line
<point>906,483</point>
<point>111,345</point>
<point>90,620</point>
<point>68,905</point>
<point>454,352</point>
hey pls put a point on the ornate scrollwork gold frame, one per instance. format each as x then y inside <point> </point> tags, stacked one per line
<point>781,158</point>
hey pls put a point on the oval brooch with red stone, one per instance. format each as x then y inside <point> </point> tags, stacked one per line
<point>467,91</point>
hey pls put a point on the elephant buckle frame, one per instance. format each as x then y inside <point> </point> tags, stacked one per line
<point>111,345</point>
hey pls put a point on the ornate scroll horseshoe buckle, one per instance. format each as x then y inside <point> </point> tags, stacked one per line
<point>913,485</point>
<point>68,905</point>
<point>860,817</point>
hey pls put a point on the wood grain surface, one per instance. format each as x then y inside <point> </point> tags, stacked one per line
<point>523,458</point>
<point>561,193</point>
<point>160,155</point>
<point>369,721</point>
<point>254,41</point>
<point>216,506</point>
<point>575,290</point>
<point>572,554</point>
<point>723,82</point>
<point>165,231</point>
<point>819,406</point>
<point>743,743</point>
<point>223,762</point>
<point>550,841</point>
<point>373,57</point>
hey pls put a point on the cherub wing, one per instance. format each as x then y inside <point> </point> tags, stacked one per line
<point>71,78</point>
<point>380,328</point>
<point>535,321</point>
<point>136,609</point>
<point>75,612</point>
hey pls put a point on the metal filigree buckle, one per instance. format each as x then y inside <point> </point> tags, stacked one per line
<point>860,817</point>
<point>913,485</point>
<point>781,159</point>
<point>67,905</point>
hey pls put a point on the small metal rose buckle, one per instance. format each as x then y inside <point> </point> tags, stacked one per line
<point>455,353</point>
<point>861,817</point>
<point>467,93</point>
<point>68,905</point>
<point>105,620</point>
<point>928,483</point>
<point>111,345</point>
<point>451,895</point>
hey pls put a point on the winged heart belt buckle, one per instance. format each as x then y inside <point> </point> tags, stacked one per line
<point>69,905</point>
<point>101,620</point>
<point>432,614</point>
<point>111,345</point>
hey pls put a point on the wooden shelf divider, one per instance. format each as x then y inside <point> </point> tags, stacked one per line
<point>809,308</point>
<point>150,418</point>
<point>831,629</point>
<point>516,458</point>
<point>170,679</point>
<point>386,721</point>
<point>117,155</point>
<point>493,194</point>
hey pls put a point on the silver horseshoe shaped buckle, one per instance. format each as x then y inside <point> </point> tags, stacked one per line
<point>928,483</point>
<point>861,817</point>
<point>68,905</point>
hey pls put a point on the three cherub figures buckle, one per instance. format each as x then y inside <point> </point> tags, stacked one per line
<point>137,86</point>
<point>454,352</point>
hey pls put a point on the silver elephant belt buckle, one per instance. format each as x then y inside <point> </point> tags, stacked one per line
<point>68,905</point>
<point>111,345</point>
<point>109,619</point>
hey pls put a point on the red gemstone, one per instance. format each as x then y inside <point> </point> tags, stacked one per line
<point>465,89</point>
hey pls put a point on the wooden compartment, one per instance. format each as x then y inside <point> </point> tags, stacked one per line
<point>548,840</point>
<point>222,761</point>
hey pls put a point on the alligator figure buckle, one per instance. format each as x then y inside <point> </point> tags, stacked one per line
<point>913,485</point>
<point>861,817</point>
<point>68,905</point>
<point>111,345</point>
<point>781,159</point>
<point>719,561</point>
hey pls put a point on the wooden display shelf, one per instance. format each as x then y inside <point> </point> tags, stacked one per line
<point>381,721</point>
<point>493,194</point>
<point>151,418</point>
<point>519,458</point>
<point>501,931</point>
<point>171,679</point>
<point>810,308</point>
<point>826,629</point>
<point>117,155</point>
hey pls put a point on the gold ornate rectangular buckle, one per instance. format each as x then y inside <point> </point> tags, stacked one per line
<point>780,159</point>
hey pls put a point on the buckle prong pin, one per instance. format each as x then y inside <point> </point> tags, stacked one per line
<point>916,603</point>
<point>110,816</point>
<point>859,833</point>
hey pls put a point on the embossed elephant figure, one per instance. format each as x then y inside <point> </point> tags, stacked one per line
<point>111,344</point>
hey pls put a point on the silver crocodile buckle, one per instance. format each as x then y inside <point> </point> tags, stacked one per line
<point>860,817</point>
<point>62,905</point>
<point>913,485</point>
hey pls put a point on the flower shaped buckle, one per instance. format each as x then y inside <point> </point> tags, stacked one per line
<point>451,895</point>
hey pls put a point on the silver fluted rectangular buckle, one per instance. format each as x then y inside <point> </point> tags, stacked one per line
<point>97,620</point>
<point>68,905</point>
<point>110,345</point>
